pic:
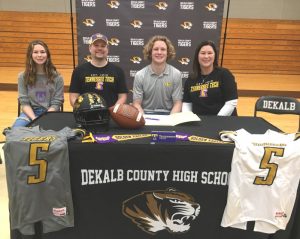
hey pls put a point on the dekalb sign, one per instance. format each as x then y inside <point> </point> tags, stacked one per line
<point>279,105</point>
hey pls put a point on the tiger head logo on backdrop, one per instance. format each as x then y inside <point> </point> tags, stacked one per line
<point>169,210</point>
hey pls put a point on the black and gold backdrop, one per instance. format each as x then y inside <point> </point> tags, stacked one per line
<point>129,24</point>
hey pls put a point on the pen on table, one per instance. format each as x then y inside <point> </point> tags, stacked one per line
<point>149,118</point>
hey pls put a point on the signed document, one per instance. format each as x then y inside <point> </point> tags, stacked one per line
<point>172,119</point>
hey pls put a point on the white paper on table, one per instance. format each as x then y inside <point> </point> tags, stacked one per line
<point>172,119</point>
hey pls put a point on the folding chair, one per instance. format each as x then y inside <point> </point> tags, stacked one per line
<point>278,105</point>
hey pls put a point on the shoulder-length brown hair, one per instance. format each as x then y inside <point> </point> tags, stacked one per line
<point>31,69</point>
<point>147,51</point>
<point>196,66</point>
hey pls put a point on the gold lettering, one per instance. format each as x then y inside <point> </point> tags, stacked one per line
<point>110,79</point>
<point>40,139</point>
<point>94,79</point>
<point>214,84</point>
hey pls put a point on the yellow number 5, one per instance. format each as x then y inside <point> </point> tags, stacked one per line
<point>35,161</point>
<point>272,167</point>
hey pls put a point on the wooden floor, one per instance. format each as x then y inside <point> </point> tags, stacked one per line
<point>8,113</point>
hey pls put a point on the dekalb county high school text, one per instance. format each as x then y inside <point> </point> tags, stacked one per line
<point>103,176</point>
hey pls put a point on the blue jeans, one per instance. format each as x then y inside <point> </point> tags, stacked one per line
<point>24,120</point>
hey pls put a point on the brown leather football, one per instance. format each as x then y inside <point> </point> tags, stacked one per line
<point>127,116</point>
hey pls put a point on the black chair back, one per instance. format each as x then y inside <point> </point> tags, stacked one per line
<point>278,105</point>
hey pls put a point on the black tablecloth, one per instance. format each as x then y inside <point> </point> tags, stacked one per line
<point>134,168</point>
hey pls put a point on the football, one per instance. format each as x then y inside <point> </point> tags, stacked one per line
<point>127,116</point>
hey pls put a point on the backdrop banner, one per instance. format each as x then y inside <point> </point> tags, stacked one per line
<point>129,24</point>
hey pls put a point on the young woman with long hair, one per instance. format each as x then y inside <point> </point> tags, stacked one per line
<point>40,86</point>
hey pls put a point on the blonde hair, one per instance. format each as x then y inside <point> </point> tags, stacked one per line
<point>147,51</point>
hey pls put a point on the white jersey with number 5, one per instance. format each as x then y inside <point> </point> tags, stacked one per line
<point>264,178</point>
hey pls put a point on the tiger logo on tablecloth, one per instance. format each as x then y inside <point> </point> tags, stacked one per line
<point>158,210</point>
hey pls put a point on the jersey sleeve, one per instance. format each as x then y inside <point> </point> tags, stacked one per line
<point>227,136</point>
<point>232,136</point>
